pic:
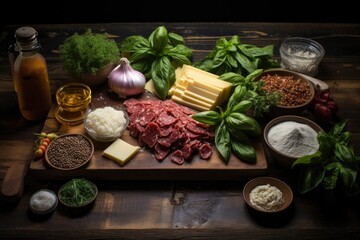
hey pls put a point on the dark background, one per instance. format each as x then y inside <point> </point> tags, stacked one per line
<point>55,11</point>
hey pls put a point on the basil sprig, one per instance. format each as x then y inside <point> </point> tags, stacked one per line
<point>232,127</point>
<point>334,164</point>
<point>232,56</point>
<point>157,57</point>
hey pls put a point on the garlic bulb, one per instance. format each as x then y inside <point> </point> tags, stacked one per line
<point>126,81</point>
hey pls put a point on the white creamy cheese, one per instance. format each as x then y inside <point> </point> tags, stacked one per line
<point>266,197</point>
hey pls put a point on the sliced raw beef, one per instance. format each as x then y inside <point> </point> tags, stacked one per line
<point>166,127</point>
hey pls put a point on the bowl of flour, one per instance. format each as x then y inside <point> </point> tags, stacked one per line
<point>290,137</point>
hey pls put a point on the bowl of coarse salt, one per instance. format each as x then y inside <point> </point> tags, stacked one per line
<point>106,124</point>
<point>290,137</point>
<point>267,195</point>
<point>301,55</point>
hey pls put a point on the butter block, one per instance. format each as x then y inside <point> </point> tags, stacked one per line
<point>120,151</point>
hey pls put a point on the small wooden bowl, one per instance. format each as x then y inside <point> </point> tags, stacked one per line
<point>79,207</point>
<point>280,110</point>
<point>282,186</point>
<point>55,146</point>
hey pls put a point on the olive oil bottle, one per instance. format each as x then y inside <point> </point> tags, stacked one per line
<point>30,76</point>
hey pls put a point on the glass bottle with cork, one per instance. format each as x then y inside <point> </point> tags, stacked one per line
<point>30,75</point>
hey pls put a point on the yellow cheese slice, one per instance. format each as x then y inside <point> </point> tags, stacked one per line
<point>150,87</point>
<point>199,107</point>
<point>120,151</point>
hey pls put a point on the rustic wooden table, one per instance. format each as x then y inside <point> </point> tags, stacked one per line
<point>182,209</point>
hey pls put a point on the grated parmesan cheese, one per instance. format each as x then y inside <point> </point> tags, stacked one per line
<point>266,197</point>
<point>105,122</point>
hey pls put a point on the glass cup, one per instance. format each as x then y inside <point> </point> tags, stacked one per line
<point>73,101</point>
<point>301,55</point>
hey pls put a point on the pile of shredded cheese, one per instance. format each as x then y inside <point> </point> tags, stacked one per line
<point>105,122</point>
<point>266,197</point>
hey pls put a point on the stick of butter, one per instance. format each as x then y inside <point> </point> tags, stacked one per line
<point>120,151</point>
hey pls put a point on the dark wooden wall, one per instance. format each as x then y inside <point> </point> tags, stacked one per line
<point>56,11</point>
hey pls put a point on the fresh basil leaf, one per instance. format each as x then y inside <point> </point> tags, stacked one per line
<point>134,43</point>
<point>142,65</point>
<point>175,39</point>
<point>244,48</point>
<point>231,48</point>
<point>221,44</point>
<point>253,75</point>
<point>312,159</point>
<point>310,178</point>
<point>339,128</point>
<point>206,65</point>
<point>245,62</point>
<point>208,117</point>
<point>344,153</point>
<point>234,40</point>
<point>242,106</point>
<point>141,54</point>
<point>232,77</point>
<point>267,51</point>
<point>243,149</point>
<point>163,76</point>
<point>159,39</point>
<point>348,177</point>
<point>236,97</point>
<point>325,142</point>
<point>222,141</point>
<point>232,61</point>
<point>238,122</point>
<point>177,54</point>
<point>219,58</point>
<point>331,175</point>
<point>184,50</point>
<point>344,138</point>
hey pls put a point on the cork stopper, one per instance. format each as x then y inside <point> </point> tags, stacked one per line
<point>26,38</point>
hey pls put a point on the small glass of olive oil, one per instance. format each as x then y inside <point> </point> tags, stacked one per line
<point>73,101</point>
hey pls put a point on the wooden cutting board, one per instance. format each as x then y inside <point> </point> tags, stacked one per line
<point>144,166</point>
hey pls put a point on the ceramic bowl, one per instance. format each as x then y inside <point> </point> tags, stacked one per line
<point>287,194</point>
<point>282,159</point>
<point>43,201</point>
<point>100,119</point>
<point>69,151</point>
<point>279,109</point>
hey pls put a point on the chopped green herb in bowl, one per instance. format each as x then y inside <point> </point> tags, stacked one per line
<point>78,192</point>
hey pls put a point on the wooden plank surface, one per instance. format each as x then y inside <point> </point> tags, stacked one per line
<point>144,166</point>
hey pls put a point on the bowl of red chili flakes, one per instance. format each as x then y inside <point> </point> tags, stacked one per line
<point>296,91</point>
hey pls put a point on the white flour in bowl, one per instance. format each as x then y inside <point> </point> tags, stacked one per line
<point>293,139</point>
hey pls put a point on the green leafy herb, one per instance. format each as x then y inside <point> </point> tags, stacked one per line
<point>88,53</point>
<point>260,99</point>
<point>333,165</point>
<point>77,192</point>
<point>157,57</point>
<point>232,56</point>
<point>232,127</point>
